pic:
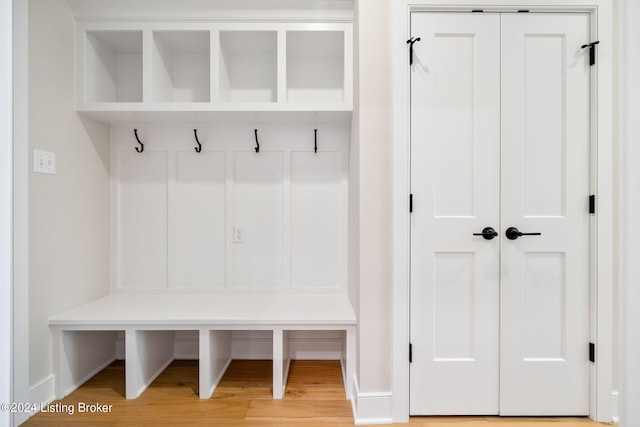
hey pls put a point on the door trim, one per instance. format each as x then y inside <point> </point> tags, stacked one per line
<point>602,280</point>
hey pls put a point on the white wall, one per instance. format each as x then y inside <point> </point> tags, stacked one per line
<point>374,142</point>
<point>629,105</point>
<point>68,212</point>
<point>20,206</point>
<point>615,381</point>
<point>353,244</point>
<point>6,203</point>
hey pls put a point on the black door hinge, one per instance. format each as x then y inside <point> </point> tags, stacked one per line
<point>410,42</point>
<point>592,204</point>
<point>592,51</point>
<point>410,203</point>
<point>592,352</point>
<point>410,353</point>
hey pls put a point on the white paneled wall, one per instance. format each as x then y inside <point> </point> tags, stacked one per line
<point>199,210</point>
<point>316,224</point>
<point>258,208</point>
<point>142,218</point>
<point>229,219</point>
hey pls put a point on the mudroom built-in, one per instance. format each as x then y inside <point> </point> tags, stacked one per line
<point>198,156</point>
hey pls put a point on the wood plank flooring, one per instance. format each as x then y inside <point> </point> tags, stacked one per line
<point>314,398</point>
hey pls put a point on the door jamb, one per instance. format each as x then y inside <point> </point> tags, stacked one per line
<point>602,280</point>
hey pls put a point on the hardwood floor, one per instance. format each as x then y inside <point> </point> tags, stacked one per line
<point>314,398</point>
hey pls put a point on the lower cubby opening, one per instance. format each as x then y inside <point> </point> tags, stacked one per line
<point>243,379</point>
<point>314,391</point>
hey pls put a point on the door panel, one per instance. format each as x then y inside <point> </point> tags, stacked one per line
<point>499,138</point>
<point>455,142</point>
<point>545,187</point>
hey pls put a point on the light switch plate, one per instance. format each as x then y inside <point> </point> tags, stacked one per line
<point>44,162</point>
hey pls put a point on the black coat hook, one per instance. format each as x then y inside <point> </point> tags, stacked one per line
<point>315,137</point>
<point>141,149</point>
<point>257,143</point>
<point>410,42</point>
<point>592,51</point>
<point>199,147</point>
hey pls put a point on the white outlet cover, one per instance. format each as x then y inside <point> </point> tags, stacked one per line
<point>239,234</point>
<point>44,162</point>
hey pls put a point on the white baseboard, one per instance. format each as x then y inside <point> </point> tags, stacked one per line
<point>299,348</point>
<point>120,346</point>
<point>316,348</point>
<point>251,348</point>
<point>615,406</point>
<point>186,348</point>
<point>44,391</point>
<point>41,394</point>
<point>370,408</point>
<point>262,348</point>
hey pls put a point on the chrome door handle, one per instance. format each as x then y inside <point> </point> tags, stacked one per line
<point>513,233</point>
<point>488,233</point>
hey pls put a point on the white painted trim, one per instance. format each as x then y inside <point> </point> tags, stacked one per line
<point>370,408</point>
<point>219,10</point>
<point>42,393</point>
<point>629,240</point>
<point>20,205</point>
<point>602,252</point>
<point>615,406</point>
<point>6,205</point>
<point>602,300</point>
<point>401,224</point>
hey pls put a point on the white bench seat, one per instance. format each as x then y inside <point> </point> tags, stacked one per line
<point>84,337</point>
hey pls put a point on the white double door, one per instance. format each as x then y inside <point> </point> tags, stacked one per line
<point>500,128</point>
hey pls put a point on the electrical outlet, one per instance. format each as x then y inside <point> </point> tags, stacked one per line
<point>239,234</point>
<point>44,162</point>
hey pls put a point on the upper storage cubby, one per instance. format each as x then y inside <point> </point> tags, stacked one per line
<point>248,66</point>
<point>181,66</point>
<point>315,66</point>
<point>113,66</point>
<point>168,71</point>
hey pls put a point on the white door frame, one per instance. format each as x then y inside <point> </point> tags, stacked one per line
<point>602,173</point>
<point>6,206</point>
<point>21,384</point>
